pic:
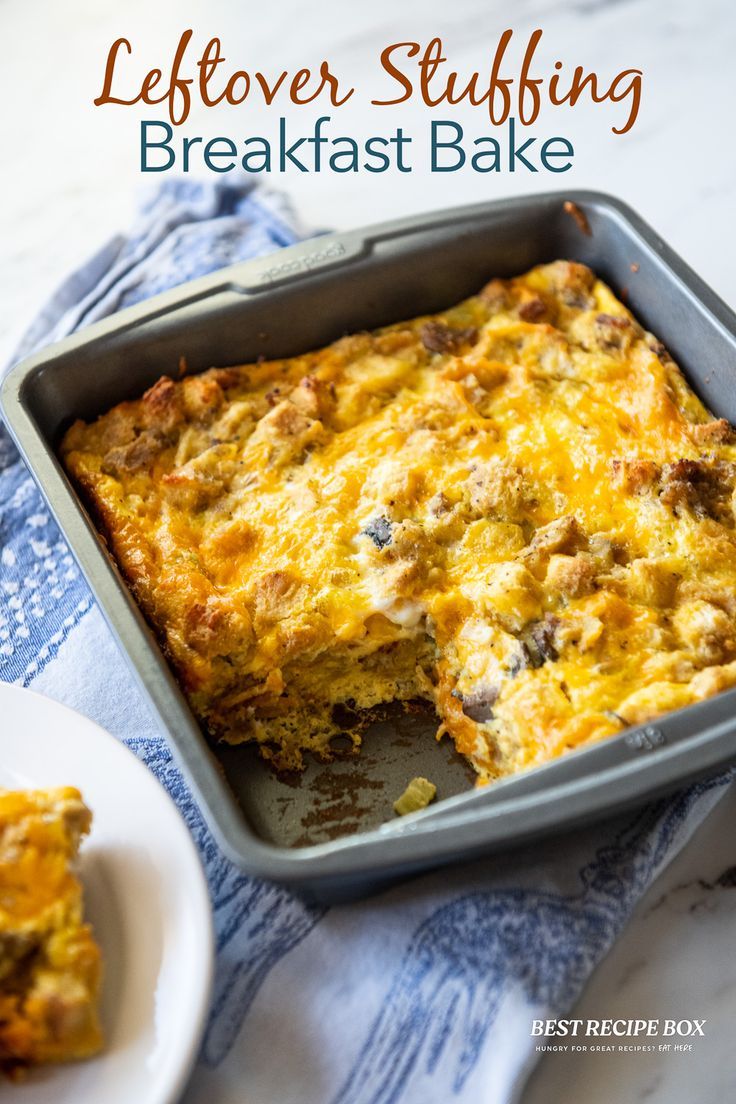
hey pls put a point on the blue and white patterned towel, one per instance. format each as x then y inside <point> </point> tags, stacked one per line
<point>424,993</point>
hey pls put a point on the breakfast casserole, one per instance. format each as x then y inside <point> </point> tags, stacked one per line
<point>515,510</point>
<point>50,965</point>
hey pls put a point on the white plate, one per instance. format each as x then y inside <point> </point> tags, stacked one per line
<point>146,897</point>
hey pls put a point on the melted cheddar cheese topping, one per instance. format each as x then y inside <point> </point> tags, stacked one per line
<point>50,966</point>
<point>515,509</point>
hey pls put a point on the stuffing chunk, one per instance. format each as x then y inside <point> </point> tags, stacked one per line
<point>571,576</point>
<point>496,489</point>
<point>512,594</point>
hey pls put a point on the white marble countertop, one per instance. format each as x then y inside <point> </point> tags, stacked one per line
<point>69,178</point>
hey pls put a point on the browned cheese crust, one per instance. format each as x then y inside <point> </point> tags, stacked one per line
<point>515,509</point>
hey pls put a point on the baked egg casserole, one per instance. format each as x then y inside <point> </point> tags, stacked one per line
<point>515,510</point>
<point>50,965</point>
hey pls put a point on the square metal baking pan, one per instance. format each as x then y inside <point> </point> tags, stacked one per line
<point>330,832</point>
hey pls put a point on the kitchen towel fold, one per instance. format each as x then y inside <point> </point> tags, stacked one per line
<point>423,993</point>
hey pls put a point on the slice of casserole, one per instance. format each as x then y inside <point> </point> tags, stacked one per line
<point>49,962</point>
<point>515,509</point>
